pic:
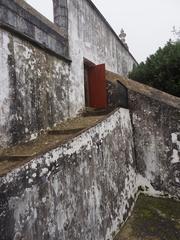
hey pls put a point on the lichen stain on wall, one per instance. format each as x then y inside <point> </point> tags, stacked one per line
<point>175,159</point>
<point>86,188</point>
<point>4,87</point>
<point>91,38</point>
<point>81,190</point>
<point>176,147</point>
<point>38,85</point>
<point>156,133</point>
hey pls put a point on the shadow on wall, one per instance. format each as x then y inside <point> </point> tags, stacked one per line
<point>44,7</point>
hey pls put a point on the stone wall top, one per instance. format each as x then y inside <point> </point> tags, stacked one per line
<point>109,26</point>
<point>19,17</point>
<point>145,90</point>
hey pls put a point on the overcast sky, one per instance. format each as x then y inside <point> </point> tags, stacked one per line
<point>147,23</point>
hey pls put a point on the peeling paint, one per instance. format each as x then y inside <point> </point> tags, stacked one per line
<point>81,190</point>
<point>87,187</point>
<point>156,134</point>
<point>35,91</point>
<point>91,38</point>
<point>4,89</point>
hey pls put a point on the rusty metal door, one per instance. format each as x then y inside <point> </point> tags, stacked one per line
<point>97,86</point>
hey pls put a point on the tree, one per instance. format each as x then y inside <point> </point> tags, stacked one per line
<point>161,70</point>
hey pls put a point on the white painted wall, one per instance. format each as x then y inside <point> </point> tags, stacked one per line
<point>4,87</point>
<point>91,38</point>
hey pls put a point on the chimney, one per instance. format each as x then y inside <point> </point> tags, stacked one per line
<point>61,14</point>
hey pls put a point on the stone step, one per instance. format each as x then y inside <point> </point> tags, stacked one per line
<point>65,131</point>
<point>96,111</point>
<point>14,157</point>
<point>17,155</point>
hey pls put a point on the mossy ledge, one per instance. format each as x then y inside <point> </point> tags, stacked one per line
<point>152,219</point>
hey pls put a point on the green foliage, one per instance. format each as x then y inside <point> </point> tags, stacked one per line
<point>161,70</point>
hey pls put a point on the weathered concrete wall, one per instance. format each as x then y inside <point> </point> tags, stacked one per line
<point>156,128</point>
<point>34,93</point>
<point>90,37</point>
<point>156,131</point>
<point>39,89</point>
<point>85,188</point>
<point>117,94</point>
<point>4,88</point>
<point>81,190</point>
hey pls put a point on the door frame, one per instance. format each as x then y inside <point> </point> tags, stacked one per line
<point>95,85</point>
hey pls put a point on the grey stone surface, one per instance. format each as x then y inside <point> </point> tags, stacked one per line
<point>29,73</point>
<point>21,19</point>
<point>34,92</point>
<point>117,94</point>
<point>83,189</point>
<point>92,38</point>
<point>156,128</point>
<point>61,14</point>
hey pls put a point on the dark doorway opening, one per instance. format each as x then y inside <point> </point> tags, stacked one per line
<point>95,85</point>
